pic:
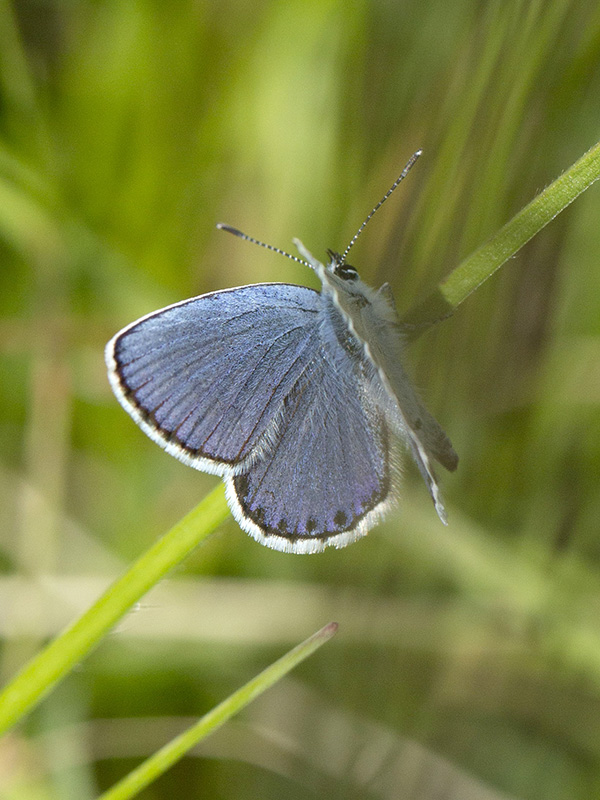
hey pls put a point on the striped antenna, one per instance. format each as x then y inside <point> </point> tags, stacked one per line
<point>403,174</point>
<point>223,227</point>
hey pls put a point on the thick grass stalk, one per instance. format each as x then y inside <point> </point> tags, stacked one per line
<point>55,661</point>
<point>482,264</point>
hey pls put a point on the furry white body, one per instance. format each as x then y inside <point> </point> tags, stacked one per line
<point>373,319</point>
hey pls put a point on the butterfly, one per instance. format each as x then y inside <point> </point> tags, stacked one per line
<point>297,398</point>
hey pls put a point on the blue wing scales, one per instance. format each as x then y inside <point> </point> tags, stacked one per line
<point>206,378</point>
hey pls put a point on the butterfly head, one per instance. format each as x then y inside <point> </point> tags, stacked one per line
<point>336,266</point>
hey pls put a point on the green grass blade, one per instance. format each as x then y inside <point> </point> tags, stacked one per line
<point>482,264</point>
<point>55,661</point>
<point>168,755</point>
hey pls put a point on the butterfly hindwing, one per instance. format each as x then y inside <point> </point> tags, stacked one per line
<point>206,378</point>
<point>327,478</point>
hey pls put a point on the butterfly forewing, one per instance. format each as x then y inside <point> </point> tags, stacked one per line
<point>206,378</point>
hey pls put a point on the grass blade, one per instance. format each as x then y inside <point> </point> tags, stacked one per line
<point>55,661</point>
<point>482,264</point>
<point>168,755</point>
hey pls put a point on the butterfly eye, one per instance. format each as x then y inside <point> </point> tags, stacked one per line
<point>339,268</point>
<point>345,272</point>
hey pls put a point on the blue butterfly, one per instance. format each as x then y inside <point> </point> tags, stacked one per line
<point>297,398</point>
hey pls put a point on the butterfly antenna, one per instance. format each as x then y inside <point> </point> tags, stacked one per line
<point>223,227</point>
<point>403,174</point>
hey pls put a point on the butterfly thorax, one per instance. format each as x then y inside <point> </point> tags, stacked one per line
<point>370,316</point>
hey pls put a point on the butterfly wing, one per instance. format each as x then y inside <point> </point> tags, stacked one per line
<point>327,478</point>
<point>206,378</point>
<point>425,437</point>
<point>388,339</point>
<point>377,325</point>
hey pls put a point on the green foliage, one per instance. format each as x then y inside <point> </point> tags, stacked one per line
<point>468,658</point>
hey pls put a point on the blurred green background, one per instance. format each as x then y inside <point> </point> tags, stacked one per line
<point>467,665</point>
